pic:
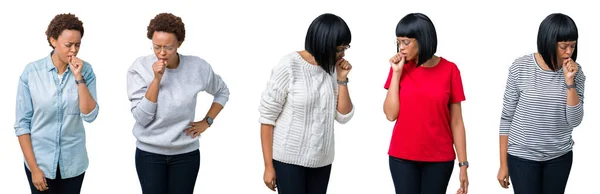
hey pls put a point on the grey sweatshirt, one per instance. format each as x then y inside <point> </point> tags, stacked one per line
<point>159,127</point>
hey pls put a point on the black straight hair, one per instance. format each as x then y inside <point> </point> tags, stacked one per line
<point>556,27</point>
<point>325,33</point>
<point>419,27</point>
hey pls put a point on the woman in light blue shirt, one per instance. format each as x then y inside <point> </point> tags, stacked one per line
<point>55,95</point>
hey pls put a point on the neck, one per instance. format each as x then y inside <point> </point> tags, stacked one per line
<point>308,57</point>
<point>543,64</point>
<point>61,67</point>
<point>432,62</point>
<point>174,63</point>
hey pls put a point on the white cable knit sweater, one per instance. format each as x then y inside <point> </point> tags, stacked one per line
<point>301,102</point>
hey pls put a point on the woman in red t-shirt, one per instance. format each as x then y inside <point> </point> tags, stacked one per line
<point>424,96</point>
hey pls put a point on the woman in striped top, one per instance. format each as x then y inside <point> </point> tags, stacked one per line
<point>543,102</point>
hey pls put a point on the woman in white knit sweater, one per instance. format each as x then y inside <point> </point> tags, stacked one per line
<point>306,93</point>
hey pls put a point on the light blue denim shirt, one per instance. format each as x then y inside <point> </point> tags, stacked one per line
<point>48,110</point>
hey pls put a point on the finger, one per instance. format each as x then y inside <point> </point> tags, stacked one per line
<point>196,134</point>
<point>189,131</point>
<point>44,184</point>
<point>37,186</point>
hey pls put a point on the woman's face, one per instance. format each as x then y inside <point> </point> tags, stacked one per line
<point>408,47</point>
<point>165,46</point>
<point>66,45</point>
<point>564,50</point>
<point>341,52</point>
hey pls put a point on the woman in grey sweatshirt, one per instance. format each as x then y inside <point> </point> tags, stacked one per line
<point>162,89</point>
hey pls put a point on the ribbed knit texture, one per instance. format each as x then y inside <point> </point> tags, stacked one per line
<point>300,101</point>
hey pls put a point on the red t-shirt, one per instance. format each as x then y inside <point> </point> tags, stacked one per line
<point>422,130</point>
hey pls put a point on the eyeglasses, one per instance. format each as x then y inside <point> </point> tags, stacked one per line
<point>343,50</point>
<point>404,42</point>
<point>158,49</point>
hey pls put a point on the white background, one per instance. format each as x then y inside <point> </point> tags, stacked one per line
<point>243,40</point>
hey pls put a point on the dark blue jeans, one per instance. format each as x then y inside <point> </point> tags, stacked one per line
<point>167,174</point>
<point>294,179</point>
<point>58,185</point>
<point>414,177</point>
<point>533,177</point>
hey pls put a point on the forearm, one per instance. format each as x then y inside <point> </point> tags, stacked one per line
<point>391,105</point>
<point>152,92</point>
<point>504,150</point>
<point>214,110</point>
<point>460,143</point>
<point>344,105</point>
<point>86,101</point>
<point>266,137</point>
<point>572,97</point>
<point>27,148</point>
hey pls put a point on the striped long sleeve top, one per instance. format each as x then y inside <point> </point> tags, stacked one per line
<point>535,115</point>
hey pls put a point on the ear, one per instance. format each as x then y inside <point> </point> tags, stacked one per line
<point>54,42</point>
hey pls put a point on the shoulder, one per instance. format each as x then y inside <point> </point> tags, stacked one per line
<point>35,66</point>
<point>523,61</point>
<point>286,62</point>
<point>143,62</point>
<point>449,66</point>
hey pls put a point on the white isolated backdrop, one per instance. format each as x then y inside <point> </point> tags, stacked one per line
<point>243,40</point>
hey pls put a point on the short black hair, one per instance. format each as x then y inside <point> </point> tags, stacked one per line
<point>419,27</point>
<point>557,27</point>
<point>325,33</point>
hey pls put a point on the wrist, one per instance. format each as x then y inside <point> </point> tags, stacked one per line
<point>269,165</point>
<point>78,77</point>
<point>569,81</point>
<point>342,78</point>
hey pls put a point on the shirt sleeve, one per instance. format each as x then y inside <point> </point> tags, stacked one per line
<point>389,79</point>
<point>90,82</point>
<point>24,107</point>
<point>511,98</point>
<point>275,95</point>
<point>575,113</point>
<point>457,93</point>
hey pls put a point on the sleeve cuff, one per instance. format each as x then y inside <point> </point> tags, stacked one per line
<point>264,120</point>
<point>147,106</point>
<point>221,100</point>
<point>22,131</point>
<point>91,116</point>
<point>344,118</point>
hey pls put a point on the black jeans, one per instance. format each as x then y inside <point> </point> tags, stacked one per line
<point>58,185</point>
<point>546,177</point>
<point>413,177</point>
<point>167,174</point>
<point>294,179</point>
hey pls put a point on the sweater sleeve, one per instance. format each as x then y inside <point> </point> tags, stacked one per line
<point>143,110</point>
<point>274,96</point>
<point>575,113</point>
<point>216,86</point>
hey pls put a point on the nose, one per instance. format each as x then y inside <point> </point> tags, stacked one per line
<point>163,51</point>
<point>401,46</point>
<point>569,51</point>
